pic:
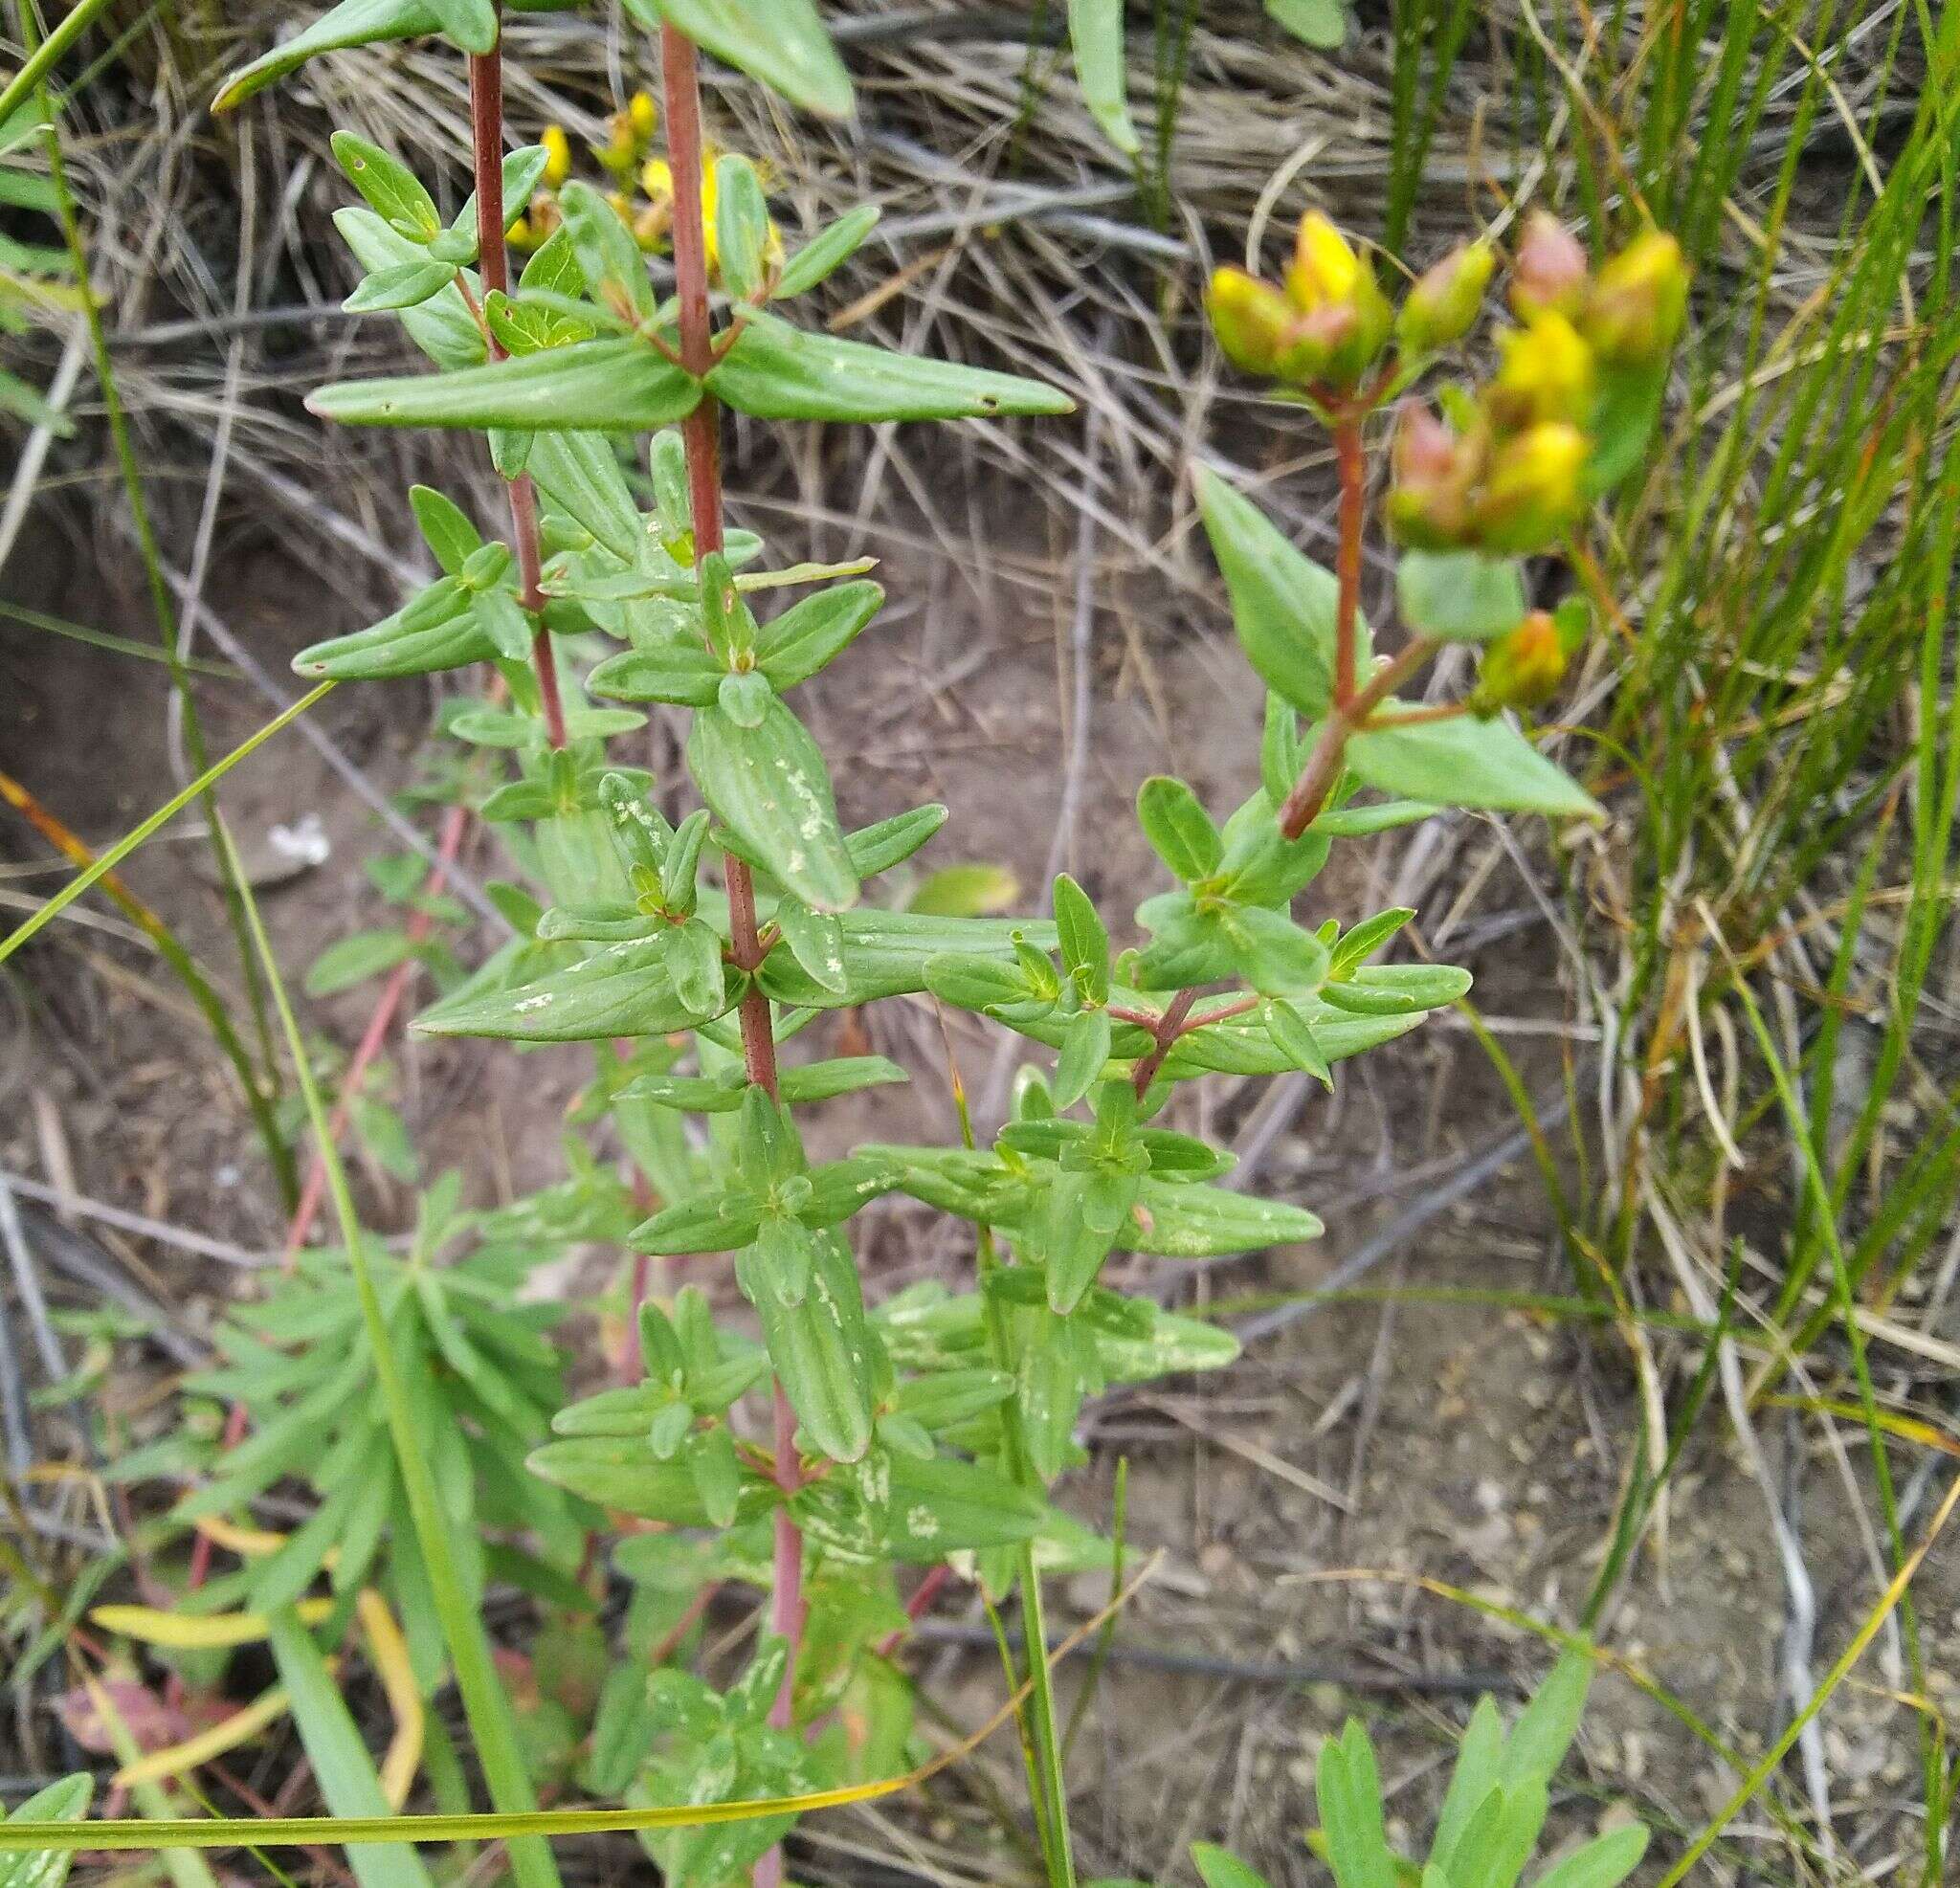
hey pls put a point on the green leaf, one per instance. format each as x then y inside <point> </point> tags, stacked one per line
<point>842,1074</point>
<point>1319,23</point>
<point>433,630</point>
<point>828,250</point>
<point>608,259</point>
<point>1623,422</point>
<point>1282,603</point>
<point>1545,1728</point>
<point>1479,1757</point>
<point>353,959</point>
<point>780,43</point>
<point>391,190</point>
<point>445,527</point>
<point>401,286</point>
<point>769,786</point>
<point>1095,31</point>
<point>351,23</point>
<point>1500,1838</point>
<point>1468,762</point>
<point>716,1222</point>
<point>340,1764</point>
<point>504,623</point>
<point>811,635</point>
<point>965,891</point>
<point>940,1506</point>
<point>875,849</point>
<point>618,989</point>
<point>620,1471</point>
<point>1220,1868</point>
<point>1460,595</point>
<point>741,226</point>
<point>717,1473</point>
<point>1349,1795</point>
<point>1085,1050</point>
<point>1084,942</point>
<point>1273,954</point>
<point>1188,1220</point>
<point>815,940</point>
<point>1180,832</point>
<point>64,1801</point>
<point>693,963</point>
<point>679,671</point>
<point>820,1348</point>
<point>1604,1862</point>
<point>776,371</point>
<point>472,24</point>
<point>1294,1036</point>
<point>614,384</point>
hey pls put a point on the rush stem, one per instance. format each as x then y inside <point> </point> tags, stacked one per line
<point>486,138</point>
<point>701,435</point>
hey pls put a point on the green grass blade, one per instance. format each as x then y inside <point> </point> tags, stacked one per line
<point>115,856</point>
<point>484,1702</point>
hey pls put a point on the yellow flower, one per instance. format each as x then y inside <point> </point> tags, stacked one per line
<point>1546,374</point>
<point>657,178</point>
<point>557,155</point>
<point>1532,493</point>
<point>519,236</point>
<point>642,114</point>
<point>1639,301</point>
<point>1324,268</point>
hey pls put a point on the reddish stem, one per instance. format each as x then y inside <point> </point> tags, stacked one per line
<point>1169,1029</point>
<point>486,137</point>
<point>1348,464</point>
<point>702,439</point>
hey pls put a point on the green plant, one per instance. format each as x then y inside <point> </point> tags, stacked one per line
<point>419,1396</point>
<point>1492,1811</point>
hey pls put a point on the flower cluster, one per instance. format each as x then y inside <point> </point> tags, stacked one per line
<point>1505,469</point>
<point>1502,468</point>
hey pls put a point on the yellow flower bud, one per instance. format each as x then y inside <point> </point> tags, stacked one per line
<point>656,180</point>
<point>1445,300</point>
<point>1639,301</point>
<point>1550,268</point>
<point>1345,317</point>
<point>1324,267</point>
<point>1521,670</point>
<point>1251,318</point>
<point>1546,374</point>
<point>1532,493</point>
<point>519,237</point>
<point>557,155</point>
<point>642,114</point>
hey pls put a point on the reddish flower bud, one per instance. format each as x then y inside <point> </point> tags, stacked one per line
<point>1550,268</point>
